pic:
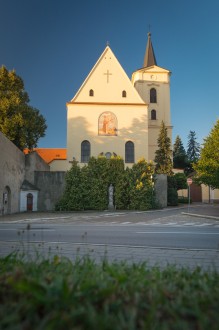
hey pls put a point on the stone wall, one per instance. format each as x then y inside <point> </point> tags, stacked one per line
<point>51,187</point>
<point>160,188</point>
<point>12,173</point>
<point>33,162</point>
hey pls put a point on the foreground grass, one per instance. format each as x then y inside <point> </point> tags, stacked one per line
<point>59,294</point>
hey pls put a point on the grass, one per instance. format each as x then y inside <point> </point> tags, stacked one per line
<point>60,294</point>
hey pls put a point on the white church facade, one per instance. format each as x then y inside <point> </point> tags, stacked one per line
<point>111,115</point>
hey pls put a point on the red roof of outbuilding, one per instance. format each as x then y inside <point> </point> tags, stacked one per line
<point>50,154</point>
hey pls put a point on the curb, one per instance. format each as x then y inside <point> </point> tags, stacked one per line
<point>200,215</point>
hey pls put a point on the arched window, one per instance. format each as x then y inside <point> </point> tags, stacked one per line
<point>91,92</point>
<point>107,124</point>
<point>153,114</point>
<point>129,152</point>
<point>153,95</point>
<point>124,93</point>
<point>85,151</point>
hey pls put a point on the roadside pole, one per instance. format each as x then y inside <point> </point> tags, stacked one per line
<point>189,182</point>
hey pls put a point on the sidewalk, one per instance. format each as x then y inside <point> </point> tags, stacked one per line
<point>203,210</point>
<point>195,209</point>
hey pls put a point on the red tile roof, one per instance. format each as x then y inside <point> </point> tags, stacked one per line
<point>50,154</point>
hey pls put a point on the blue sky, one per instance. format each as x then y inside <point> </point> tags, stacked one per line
<point>53,45</point>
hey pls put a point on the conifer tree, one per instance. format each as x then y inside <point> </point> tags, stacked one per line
<point>179,154</point>
<point>193,148</point>
<point>207,167</point>
<point>193,152</point>
<point>163,156</point>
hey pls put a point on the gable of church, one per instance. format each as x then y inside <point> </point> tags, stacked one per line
<point>107,83</point>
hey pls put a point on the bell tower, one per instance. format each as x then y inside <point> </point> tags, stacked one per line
<point>153,85</point>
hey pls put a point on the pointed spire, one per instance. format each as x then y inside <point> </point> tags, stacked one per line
<point>149,58</point>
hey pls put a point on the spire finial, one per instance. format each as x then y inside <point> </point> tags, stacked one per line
<point>107,43</point>
<point>149,30</point>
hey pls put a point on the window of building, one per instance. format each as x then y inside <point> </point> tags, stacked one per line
<point>124,93</point>
<point>85,151</point>
<point>153,114</point>
<point>153,95</point>
<point>129,152</point>
<point>91,92</point>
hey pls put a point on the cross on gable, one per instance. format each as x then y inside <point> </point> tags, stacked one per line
<point>108,74</point>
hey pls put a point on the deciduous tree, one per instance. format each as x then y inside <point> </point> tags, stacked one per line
<point>207,167</point>
<point>19,122</point>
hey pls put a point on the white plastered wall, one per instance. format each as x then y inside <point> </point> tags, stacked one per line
<point>83,125</point>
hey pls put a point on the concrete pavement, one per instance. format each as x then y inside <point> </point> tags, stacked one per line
<point>203,210</point>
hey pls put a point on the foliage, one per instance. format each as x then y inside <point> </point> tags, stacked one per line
<point>87,187</point>
<point>179,154</point>
<point>19,122</point>
<point>181,182</point>
<point>72,199</point>
<point>172,196</point>
<point>163,156</point>
<point>193,152</point>
<point>207,167</point>
<point>183,200</point>
<point>59,294</point>
<point>141,192</point>
<point>123,189</point>
<point>175,183</point>
<point>193,148</point>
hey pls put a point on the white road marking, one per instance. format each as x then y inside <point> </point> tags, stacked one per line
<point>175,232</point>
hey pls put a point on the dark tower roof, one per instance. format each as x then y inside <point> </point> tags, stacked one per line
<point>149,58</point>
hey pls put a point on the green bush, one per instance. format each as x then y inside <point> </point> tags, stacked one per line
<point>182,199</point>
<point>181,182</point>
<point>87,187</point>
<point>172,196</point>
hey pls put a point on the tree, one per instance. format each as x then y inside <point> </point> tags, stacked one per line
<point>193,152</point>
<point>141,181</point>
<point>207,167</point>
<point>163,156</point>
<point>179,154</point>
<point>181,182</point>
<point>19,122</point>
<point>193,148</point>
<point>172,195</point>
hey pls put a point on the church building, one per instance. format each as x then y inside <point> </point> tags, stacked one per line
<point>112,115</point>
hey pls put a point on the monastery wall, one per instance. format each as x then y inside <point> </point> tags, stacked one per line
<point>12,173</point>
<point>51,185</point>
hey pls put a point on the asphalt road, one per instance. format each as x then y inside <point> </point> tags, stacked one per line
<point>153,235</point>
<point>158,237</point>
